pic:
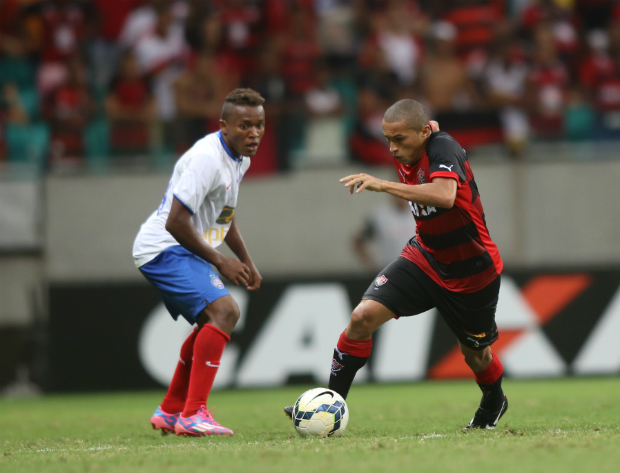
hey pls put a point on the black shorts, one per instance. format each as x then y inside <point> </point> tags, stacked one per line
<point>406,290</point>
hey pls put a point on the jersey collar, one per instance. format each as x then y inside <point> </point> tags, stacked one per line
<point>226,148</point>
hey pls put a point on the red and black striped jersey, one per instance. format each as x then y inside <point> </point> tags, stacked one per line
<point>452,246</point>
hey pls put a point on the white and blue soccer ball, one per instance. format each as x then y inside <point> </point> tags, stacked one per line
<point>320,412</point>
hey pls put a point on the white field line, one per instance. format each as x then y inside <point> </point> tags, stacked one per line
<point>422,437</point>
<point>101,447</point>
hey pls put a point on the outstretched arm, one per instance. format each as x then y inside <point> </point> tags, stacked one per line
<point>440,192</point>
<point>235,242</point>
<point>179,225</point>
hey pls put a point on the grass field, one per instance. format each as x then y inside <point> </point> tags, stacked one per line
<point>568,425</point>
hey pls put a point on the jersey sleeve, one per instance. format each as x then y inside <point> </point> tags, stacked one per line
<point>197,179</point>
<point>446,158</point>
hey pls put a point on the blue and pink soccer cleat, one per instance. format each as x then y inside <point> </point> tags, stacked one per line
<point>200,424</point>
<point>163,421</point>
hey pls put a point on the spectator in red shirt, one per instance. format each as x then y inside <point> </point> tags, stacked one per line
<point>130,107</point>
<point>476,22</point>
<point>547,85</point>
<point>598,70</point>
<point>300,52</point>
<point>68,111</point>
<point>562,21</point>
<point>64,27</point>
<point>366,142</point>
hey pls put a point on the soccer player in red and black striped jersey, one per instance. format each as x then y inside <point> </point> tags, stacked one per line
<point>451,263</point>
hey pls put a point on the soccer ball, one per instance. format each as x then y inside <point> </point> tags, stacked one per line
<point>320,412</point>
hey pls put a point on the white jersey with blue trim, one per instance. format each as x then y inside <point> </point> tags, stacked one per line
<point>206,181</point>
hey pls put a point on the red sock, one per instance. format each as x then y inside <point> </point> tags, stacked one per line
<point>174,401</point>
<point>208,350</point>
<point>359,348</point>
<point>491,373</point>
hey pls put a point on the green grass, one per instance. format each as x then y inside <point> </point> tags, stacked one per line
<point>570,425</point>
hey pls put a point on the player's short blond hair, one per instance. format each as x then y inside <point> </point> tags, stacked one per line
<point>241,97</point>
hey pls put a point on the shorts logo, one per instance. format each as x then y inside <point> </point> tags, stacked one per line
<point>473,337</point>
<point>336,367</point>
<point>217,282</point>
<point>421,176</point>
<point>381,280</point>
<point>477,335</point>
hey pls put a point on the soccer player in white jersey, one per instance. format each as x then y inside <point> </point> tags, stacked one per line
<point>176,251</point>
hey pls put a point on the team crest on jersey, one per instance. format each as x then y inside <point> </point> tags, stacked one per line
<point>381,280</point>
<point>421,176</point>
<point>217,282</point>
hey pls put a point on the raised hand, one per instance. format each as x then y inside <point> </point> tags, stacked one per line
<point>363,181</point>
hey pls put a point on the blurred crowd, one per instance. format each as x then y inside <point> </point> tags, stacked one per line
<point>84,80</point>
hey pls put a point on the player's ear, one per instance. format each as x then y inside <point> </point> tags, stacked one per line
<point>426,131</point>
<point>223,126</point>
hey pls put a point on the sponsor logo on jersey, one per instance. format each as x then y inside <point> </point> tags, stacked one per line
<point>448,168</point>
<point>336,367</point>
<point>381,280</point>
<point>421,176</point>
<point>217,282</point>
<point>226,215</point>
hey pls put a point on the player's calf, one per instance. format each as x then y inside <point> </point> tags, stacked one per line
<point>477,360</point>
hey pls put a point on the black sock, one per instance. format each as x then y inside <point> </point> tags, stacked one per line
<point>344,368</point>
<point>492,395</point>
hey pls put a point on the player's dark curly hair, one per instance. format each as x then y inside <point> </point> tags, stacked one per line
<point>241,97</point>
<point>411,112</point>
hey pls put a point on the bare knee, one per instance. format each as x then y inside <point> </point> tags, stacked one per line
<point>223,313</point>
<point>364,321</point>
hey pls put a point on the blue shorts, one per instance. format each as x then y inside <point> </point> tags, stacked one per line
<point>186,282</point>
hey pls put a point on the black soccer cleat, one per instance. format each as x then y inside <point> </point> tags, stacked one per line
<point>288,410</point>
<point>485,419</point>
